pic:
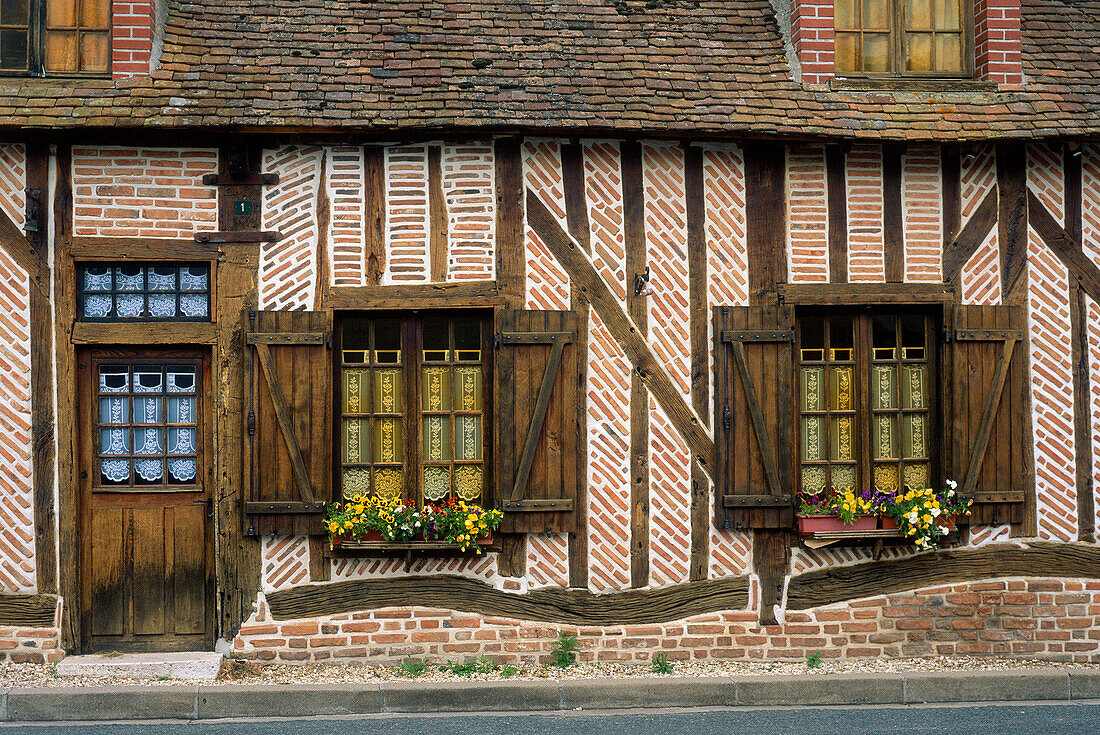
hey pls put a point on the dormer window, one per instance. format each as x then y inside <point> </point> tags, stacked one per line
<point>55,37</point>
<point>902,37</point>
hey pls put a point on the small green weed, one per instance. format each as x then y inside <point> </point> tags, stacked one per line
<point>413,667</point>
<point>163,677</point>
<point>507,671</point>
<point>813,661</point>
<point>661,664</point>
<point>565,650</point>
<point>480,665</point>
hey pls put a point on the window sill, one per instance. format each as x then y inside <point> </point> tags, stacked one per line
<point>904,84</point>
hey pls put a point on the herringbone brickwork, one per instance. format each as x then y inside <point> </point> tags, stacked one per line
<point>1090,201</point>
<point>807,215</point>
<point>1093,324</point>
<point>17,570</point>
<point>977,177</point>
<point>482,567</point>
<point>344,183</point>
<point>548,560</point>
<point>408,225</point>
<point>863,169</point>
<point>808,560</point>
<point>288,266</point>
<point>981,276</point>
<point>603,184</point>
<point>984,535</point>
<point>921,208</point>
<point>669,501</point>
<point>13,181</point>
<point>1051,371</point>
<point>547,282</point>
<point>143,192</point>
<point>468,172</point>
<point>285,562</point>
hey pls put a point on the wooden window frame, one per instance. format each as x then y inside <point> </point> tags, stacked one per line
<point>411,331</point>
<point>177,292</point>
<point>863,411</point>
<point>37,31</point>
<point>897,48</point>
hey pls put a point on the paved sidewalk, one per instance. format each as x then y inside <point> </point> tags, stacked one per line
<point>213,702</point>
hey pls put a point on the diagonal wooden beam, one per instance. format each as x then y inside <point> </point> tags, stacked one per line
<point>1067,248</point>
<point>591,288</point>
<point>970,237</point>
<point>15,244</point>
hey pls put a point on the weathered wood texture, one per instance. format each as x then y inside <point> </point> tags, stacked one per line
<point>152,333</point>
<point>539,421</point>
<point>419,296</point>
<point>765,230</point>
<point>950,196</point>
<point>871,579</point>
<point>374,212</point>
<point>871,294</point>
<point>958,251</point>
<point>836,200</point>
<point>893,244</point>
<point>752,410</point>
<point>323,208</point>
<point>1012,219</point>
<point>136,248</point>
<point>1067,248</point>
<point>991,415</point>
<point>510,255</point>
<point>698,315</point>
<point>289,405</point>
<point>576,213</point>
<point>771,559</point>
<point>42,409</point>
<point>437,215</point>
<point>637,308</point>
<point>29,611</point>
<point>569,607</point>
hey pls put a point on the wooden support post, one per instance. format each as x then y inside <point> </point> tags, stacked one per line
<point>324,219</point>
<point>576,214</point>
<point>437,216</point>
<point>698,314</point>
<point>1012,220</point>
<point>634,234</point>
<point>836,199</point>
<point>893,241</point>
<point>374,210</point>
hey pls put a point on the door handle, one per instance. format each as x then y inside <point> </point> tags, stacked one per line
<point>209,503</point>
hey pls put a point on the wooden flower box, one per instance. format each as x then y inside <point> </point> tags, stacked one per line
<point>373,540</point>
<point>809,525</point>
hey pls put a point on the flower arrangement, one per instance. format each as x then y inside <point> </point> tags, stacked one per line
<point>923,516</point>
<point>453,522</point>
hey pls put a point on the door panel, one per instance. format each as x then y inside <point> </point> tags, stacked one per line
<point>108,544</point>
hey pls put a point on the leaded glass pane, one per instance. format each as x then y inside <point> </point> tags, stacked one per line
<point>813,388</point>
<point>468,438</point>
<point>437,483</point>
<point>437,438</point>
<point>840,438</point>
<point>436,389</point>
<point>387,440</point>
<point>813,438</point>
<point>883,386</point>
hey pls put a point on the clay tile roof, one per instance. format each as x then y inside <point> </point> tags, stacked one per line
<point>656,66</point>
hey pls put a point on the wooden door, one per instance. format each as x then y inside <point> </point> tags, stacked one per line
<point>145,510</point>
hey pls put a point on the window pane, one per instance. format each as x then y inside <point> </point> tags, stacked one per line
<point>437,439</point>
<point>844,478</point>
<point>840,439</point>
<point>436,347</point>
<point>813,438</point>
<point>468,438</point>
<point>876,52</point>
<point>355,449</point>
<point>883,386</point>
<point>840,389</point>
<point>844,14</point>
<point>915,476</point>
<point>841,338</point>
<point>883,339</point>
<point>93,52</point>
<point>918,14</point>
<point>912,387</point>
<point>947,16</point>
<point>13,50</point>
<point>914,436</point>
<point>467,339</point>
<point>437,483</point>
<point>847,47</point>
<point>355,341</point>
<point>61,51</point>
<point>387,391</point>
<point>876,14</point>
<point>95,13</point>
<point>14,12</point>
<point>436,388</point>
<point>356,481</point>
<point>468,388</point>
<point>912,338</point>
<point>918,55</point>
<point>387,446</point>
<point>813,480</point>
<point>387,341</point>
<point>813,388</point>
<point>948,52</point>
<point>886,478</point>
<point>812,333</point>
<point>468,482</point>
<point>61,13</point>
<point>885,436</point>
<point>388,482</point>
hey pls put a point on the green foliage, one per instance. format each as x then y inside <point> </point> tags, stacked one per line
<point>813,661</point>
<point>414,667</point>
<point>661,664</point>
<point>507,671</point>
<point>565,650</point>
<point>480,665</point>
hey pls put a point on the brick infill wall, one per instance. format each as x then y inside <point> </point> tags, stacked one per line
<point>1036,619</point>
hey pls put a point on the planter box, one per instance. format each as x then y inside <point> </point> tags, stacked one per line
<point>889,523</point>
<point>808,525</point>
<point>374,540</point>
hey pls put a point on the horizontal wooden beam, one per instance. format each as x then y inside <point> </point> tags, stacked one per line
<point>590,286</point>
<point>28,611</point>
<point>460,294</point>
<point>549,505</point>
<point>141,248</point>
<point>1067,248</point>
<point>552,605</point>
<point>871,579</point>
<point>843,294</point>
<point>144,333</point>
<point>970,238</point>
<point>988,335</point>
<point>999,496</point>
<point>286,338</point>
<point>216,236</point>
<point>230,180</point>
<point>264,508</point>
<point>757,501</point>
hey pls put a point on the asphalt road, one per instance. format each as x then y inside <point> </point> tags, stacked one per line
<point>1016,719</point>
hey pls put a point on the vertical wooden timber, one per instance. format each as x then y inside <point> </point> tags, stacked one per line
<point>1079,349</point>
<point>576,215</point>
<point>765,236</point>
<point>951,197</point>
<point>698,314</point>
<point>237,555</point>
<point>511,276</point>
<point>42,417</point>
<point>893,243</point>
<point>634,235</point>
<point>374,210</point>
<point>324,217</point>
<point>437,216</point>
<point>68,509</point>
<point>836,198</point>
<point>1012,220</point>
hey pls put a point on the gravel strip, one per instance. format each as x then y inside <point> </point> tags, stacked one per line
<point>37,675</point>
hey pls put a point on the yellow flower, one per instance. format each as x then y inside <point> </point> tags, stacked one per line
<point>472,517</point>
<point>333,527</point>
<point>357,498</point>
<point>347,524</point>
<point>926,518</point>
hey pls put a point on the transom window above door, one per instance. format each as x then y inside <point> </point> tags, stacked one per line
<point>144,291</point>
<point>146,419</point>
<point>412,398</point>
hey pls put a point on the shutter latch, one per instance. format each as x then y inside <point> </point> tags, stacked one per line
<point>726,417</point>
<point>496,340</point>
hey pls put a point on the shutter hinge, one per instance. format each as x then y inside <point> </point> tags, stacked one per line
<point>251,422</point>
<point>726,417</point>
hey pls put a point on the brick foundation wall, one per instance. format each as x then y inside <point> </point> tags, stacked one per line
<point>1035,619</point>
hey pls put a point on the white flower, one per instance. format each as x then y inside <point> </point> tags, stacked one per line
<point>912,517</point>
<point>417,524</point>
<point>935,512</point>
<point>952,484</point>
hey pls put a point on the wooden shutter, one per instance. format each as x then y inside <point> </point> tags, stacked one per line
<point>989,412</point>
<point>753,414</point>
<point>538,419</point>
<point>288,372</point>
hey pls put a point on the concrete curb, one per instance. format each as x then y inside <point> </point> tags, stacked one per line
<point>217,702</point>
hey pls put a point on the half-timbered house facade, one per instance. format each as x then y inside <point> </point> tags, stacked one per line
<point>634,273</point>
